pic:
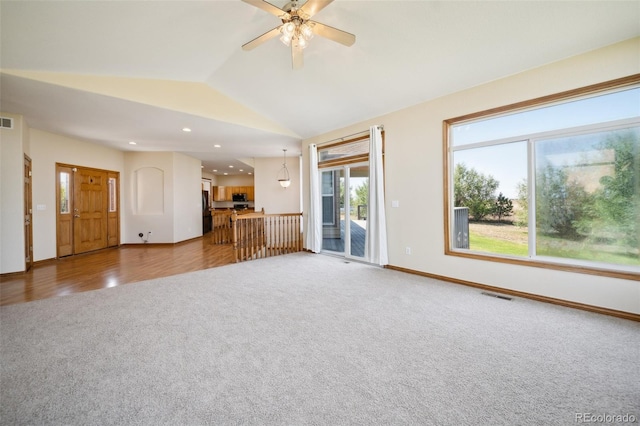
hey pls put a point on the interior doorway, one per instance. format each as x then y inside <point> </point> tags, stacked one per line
<point>87,203</point>
<point>28,215</point>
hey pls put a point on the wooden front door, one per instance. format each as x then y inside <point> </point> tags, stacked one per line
<point>28,215</point>
<point>90,192</point>
<point>88,209</point>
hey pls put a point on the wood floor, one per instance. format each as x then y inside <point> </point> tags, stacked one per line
<point>112,267</point>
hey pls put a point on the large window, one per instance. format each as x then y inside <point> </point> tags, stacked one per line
<point>553,182</point>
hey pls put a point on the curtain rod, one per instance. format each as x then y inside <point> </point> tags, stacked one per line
<point>381,126</point>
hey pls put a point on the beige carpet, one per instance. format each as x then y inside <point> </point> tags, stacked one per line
<point>310,339</point>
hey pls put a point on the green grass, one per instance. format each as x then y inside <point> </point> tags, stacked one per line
<point>572,250</point>
<point>495,245</point>
<point>549,247</point>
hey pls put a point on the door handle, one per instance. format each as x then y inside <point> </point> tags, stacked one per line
<point>76,215</point>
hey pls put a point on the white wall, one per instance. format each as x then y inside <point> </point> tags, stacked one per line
<point>47,149</point>
<point>414,177</point>
<point>213,178</point>
<point>269,194</point>
<point>12,149</point>
<point>159,224</point>
<point>187,207</point>
<point>234,180</point>
<point>181,215</point>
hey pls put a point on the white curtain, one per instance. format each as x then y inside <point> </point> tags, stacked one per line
<point>376,248</point>
<point>313,237</point>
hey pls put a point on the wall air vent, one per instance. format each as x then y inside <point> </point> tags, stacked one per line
<point>6,123</point>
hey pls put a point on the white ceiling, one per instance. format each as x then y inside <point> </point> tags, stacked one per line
<point>406,52</point>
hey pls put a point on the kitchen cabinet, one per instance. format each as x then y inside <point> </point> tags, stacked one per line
<point>225,193</point>
<point>219,193</point>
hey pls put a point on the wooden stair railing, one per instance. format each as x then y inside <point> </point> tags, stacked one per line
<point>258,235</point>
<point>221,229</point>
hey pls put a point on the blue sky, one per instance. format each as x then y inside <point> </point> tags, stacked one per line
<point>508,162</point>
<point>598,109</point>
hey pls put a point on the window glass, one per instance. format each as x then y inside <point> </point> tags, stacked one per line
<point>113,200</point>
<point>342,151</point>
<point>64,193</point>
<point>490,183</point>
<point>597,109</point>
<point>588,197</point>
<point>559,183</point>
<point>328,202</point>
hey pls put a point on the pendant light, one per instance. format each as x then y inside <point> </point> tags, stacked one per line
<point>283,174</point>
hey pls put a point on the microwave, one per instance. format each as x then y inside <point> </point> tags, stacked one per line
<point>239,197</point>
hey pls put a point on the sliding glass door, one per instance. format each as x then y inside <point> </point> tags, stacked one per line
<point>345,194</point>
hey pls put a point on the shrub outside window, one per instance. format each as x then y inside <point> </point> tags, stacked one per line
<point>553,182</point>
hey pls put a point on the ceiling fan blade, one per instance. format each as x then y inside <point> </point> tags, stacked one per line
<point>297,60</point>
<point>311,7</point>
<point>261,39</point>
<point>267,7</point>
<point>334,34</point>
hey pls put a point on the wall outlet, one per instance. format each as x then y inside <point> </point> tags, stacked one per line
<point>407,250</point>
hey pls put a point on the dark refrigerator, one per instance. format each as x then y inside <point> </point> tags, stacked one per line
<point>206,213</point>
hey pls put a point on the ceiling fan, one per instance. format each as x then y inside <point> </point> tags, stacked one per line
<point>297,27</point>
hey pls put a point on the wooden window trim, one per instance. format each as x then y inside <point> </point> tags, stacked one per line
<point>343,161</point>
<point>345,142</point>
<point>515,107</point>
<point>347,160</point>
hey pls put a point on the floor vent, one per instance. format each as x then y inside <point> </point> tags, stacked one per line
<point>497,296</point>
<point>6,123</point>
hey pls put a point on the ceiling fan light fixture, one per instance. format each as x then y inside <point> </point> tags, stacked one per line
<point>288,28</point>
<point>286,40</point>
<point>306,31</point>
<point>297,28</point>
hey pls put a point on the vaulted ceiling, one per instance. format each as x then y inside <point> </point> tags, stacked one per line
<point>112,72</point>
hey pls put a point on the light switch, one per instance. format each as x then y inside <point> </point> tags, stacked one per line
<point>41,207</point>
<point>395,203</point>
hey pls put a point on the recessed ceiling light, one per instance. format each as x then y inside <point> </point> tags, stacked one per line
<point>202,167</point>
<point>132,143</point>
<point>217,146</point>
<point>231,167</point>
<point>214,170</point>
<point>186,129</point>
<point>241,170</point>
<point>226,173</point>
<point>250,173</point>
